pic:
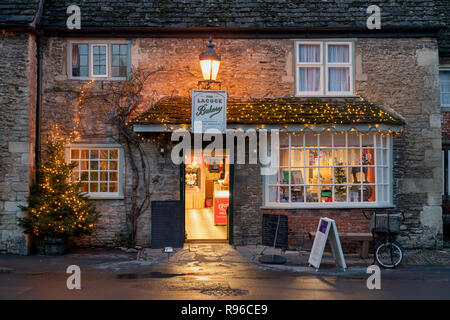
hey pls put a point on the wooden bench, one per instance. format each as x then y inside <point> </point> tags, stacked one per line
<point>363,238</point>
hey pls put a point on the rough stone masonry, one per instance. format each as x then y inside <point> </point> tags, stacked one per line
<point>17,137</point>
<point>400,74</point>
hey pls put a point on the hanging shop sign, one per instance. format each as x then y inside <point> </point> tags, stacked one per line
<point>326,230</point>
<point>209,108</point>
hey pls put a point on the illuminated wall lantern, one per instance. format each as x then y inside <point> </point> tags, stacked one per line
<point>210,62</point>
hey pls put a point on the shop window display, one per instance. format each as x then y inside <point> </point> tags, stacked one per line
<point>326,168</point>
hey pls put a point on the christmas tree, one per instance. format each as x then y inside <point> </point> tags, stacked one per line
<point>56,208</point>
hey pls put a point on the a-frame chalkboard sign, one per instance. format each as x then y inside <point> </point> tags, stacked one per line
<point>326,229</point>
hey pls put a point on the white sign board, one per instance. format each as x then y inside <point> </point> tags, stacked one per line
<point>327,228</point>
<point>209,107</point>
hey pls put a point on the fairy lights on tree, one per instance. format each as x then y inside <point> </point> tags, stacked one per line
<point>56,208</point>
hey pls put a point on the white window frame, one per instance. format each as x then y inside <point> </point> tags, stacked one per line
<point>379,166</point>
<point>309,65</point>
<point>446,106</point>
<point>120,168</point>
<point>339,65</point>
<point>91,43</point>
<point>91,65</point>
<point>324,68</point>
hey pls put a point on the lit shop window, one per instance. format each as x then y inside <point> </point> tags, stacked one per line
<point>98,170</point>
<point>331,169</point>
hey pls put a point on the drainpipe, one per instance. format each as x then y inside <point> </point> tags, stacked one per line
<point>38,33</point>
<point>38,104</point>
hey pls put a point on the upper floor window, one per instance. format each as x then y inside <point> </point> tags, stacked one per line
<point>95,59</point>
<point>444,83</point>
<point>324,68</point>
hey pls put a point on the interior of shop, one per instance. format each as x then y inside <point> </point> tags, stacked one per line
<point>206,198</point>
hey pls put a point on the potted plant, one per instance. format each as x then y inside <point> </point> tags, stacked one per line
<point>56,209</point>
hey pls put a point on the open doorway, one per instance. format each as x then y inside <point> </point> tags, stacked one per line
<point>207,195</point>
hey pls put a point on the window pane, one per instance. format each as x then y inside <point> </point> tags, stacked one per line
<point>284,176</point>
<point>353,139</point>
<point>368,174</point>
<point>355,193</point>
<point>99,60</point>
<point>444,81</point>
<point>355,174</point>
<point>272,179</point>
<point>369,193</point>
<point>75,154</point>
<point>309,53</point>
<point>297,158</point>
<point>283,194</point>
<point>340,193</point>
<point>297,141</point>
<point>312,158</point>
<point>284,158</point>
<point>309,79</point>
<point>340,157</point>
<point>326,194</point>
<point>103,176</point>
<point>340,175</point>
<point>273,194</point>
<point>311,140</point>
<point>354,157</point>
<point>113,154</point>
<point>339,140</point>
<point>80,60</point>
<point>297,176</point>
<point>113,187</point>
<point>312,194</point>
<point>339,79</point>
<point>326,157</point>
<point>103,187</point>
<point>113,165</point>
<point>338,53</point>
<point>326,175</point>
<point>312,175</point>
<point>297,194</point>
<point>367,140</point>
<point>84,187</point>
<point>119,61</point>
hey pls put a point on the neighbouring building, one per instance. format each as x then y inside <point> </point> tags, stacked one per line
<point>359,112</point>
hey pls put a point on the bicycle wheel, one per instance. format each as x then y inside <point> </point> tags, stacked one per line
<point>389,254</point>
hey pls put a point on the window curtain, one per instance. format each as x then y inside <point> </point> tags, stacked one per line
<point>339,79</point>
<point>338,54</point>
<point>309,53</point>
<point>309,79</point>
<point>75,61</point>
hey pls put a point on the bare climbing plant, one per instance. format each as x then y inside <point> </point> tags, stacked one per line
<point>119,103</point>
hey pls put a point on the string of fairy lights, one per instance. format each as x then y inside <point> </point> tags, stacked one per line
<point>313,116</point>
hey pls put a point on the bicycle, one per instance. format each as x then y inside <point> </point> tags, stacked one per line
<point>385,225</point>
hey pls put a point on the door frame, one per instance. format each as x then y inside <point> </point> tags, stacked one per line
<point>230,221</point>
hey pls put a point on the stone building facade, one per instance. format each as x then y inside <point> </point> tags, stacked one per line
<point>399,73</point>
<point>17,139</point>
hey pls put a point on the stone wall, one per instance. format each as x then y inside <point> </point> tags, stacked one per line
<point>400,74</point>
<point>17,139</point>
